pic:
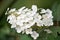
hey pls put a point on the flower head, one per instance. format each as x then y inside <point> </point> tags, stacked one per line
<point>24,18</point>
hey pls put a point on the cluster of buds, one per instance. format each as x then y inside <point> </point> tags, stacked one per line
<point>23,19</point>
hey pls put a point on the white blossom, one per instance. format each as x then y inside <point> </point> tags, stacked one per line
<point>48,31</point>
<point>38,20</point>
<point>49,11</point>
<point>46,11</point>
<point>11,19</point>
<point>13,25</point>
<point>21,9</point>
<point>24,18</point>
<point>34,35</point>
<point>12,10</point>
<point>43,11</point>
<point>34,8</point>
<point>29,31</point>
<point>45,16</point>
<point>18,29</point>
<point>47,22</point>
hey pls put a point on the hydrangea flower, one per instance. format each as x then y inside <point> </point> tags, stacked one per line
<point>23,19</point>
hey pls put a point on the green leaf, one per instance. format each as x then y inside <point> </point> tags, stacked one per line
<point>56,11</point>
<point>25,37</point>
<point>58,29</point>
<point>42,36</point>
<point>51,37</point>
<point>54,30</point>
<point>4,27</point>
<point>58,38</point>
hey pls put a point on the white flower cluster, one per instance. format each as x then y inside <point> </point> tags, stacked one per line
<point>23,19</point>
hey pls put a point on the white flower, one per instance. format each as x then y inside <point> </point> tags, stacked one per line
<point>43,11</point>
<point>39,23</point>
<point>18,30</point>
<point>48,31</point>
<point>46,11</point>
<point>6,11</point>
<point>11,19</point>
<point>38,20</point>
<point>26,10</point>
<point>13,25</point>
<point>19,23</point>
<point>45,16</point>
<point>21,9</point>
<point>37,16</point>
<point>23,19</point>
<point>29,24</point>
<point>29,31</point>
<point>12,10</point>
<point>47,22</point>
<point>48,14</point>
<point>34,8</point>
<point>34,35</point>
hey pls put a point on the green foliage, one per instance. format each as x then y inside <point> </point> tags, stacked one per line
<point>25,37</point>
<point>56,11</point>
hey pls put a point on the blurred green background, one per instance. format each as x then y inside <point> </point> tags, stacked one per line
<point>6,33</point>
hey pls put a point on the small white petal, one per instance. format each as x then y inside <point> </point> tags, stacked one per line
<point>19,23</point>
<point>47,22</point>
<point>21,8</point>
<point>13,25</point>
<point>48,31</point>
<point>34,8</point>
<point>7,9</point>
<point>48,11</point>
<point>18,29</point>
<point>34,35</point>
<point>29,31</point>
<point>12,10</point>
<point>11,19</point>
<point>43,11</point>
<point>39,23</point>
<point>25,10</point>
